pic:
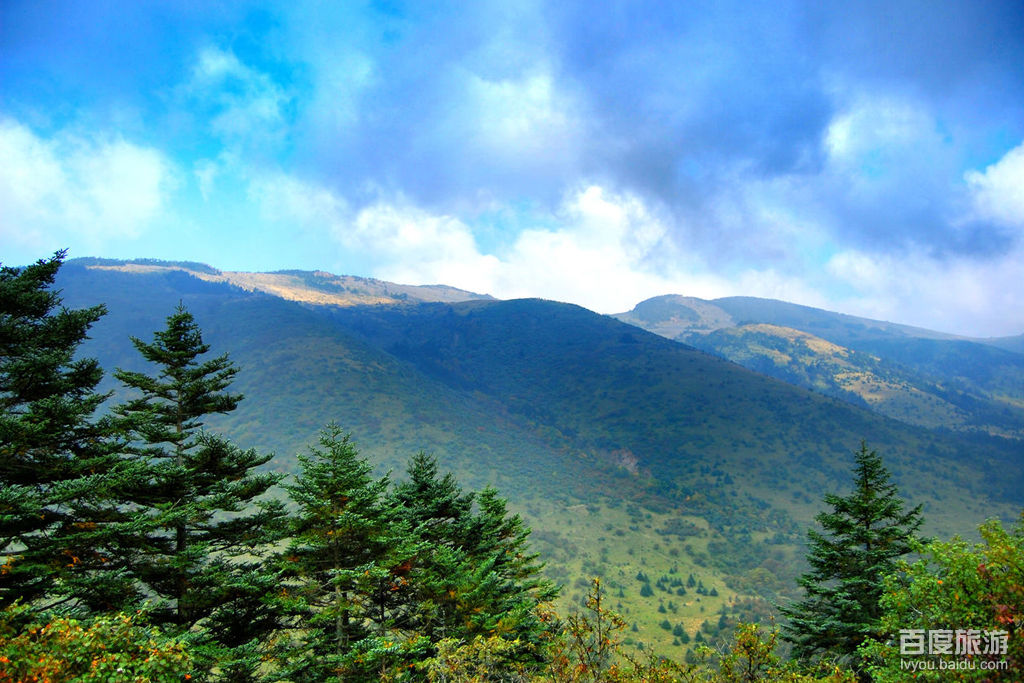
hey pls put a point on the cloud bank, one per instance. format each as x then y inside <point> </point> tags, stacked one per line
<point>845,156</point>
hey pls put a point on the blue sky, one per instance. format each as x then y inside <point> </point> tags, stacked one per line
<point>866,157</point>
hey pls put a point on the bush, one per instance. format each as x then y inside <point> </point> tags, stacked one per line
<point>112,647</point>
<point>955,586</point>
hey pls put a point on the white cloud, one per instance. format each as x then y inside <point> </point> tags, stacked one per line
<point>872,124</point>
<point>596,251</point>
<point>71,188</point>
<point>286,200</point>
<point>246,106</point>
<point>406,238</point>
<point>206,172</point>
<point>881,147</point>
<point>998,193</point>
<point>523,120</point>
<point>976,297</point>
<point>594,254</point>
<point>593,258</point>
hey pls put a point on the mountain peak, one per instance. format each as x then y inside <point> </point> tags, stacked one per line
<point>673,314</point>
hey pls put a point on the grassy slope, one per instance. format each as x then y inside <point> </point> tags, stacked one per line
<point>854,376</point>
<point>918,376</point>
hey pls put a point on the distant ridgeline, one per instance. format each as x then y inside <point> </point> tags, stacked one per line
<point>911,374</point>
<point>185,265</point>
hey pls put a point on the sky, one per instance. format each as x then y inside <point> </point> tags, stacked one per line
<point>863,157</point>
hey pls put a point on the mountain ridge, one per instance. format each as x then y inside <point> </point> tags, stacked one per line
<point>312,287</point>
<point>916,375</point>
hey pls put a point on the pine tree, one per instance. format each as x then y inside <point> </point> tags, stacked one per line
<point>439,513</point>
<point>861,539</point>
<point>347,562</point>
<point>474,577</point>
<point>199,515</point>
<point>509,589</point>
<point>436,507</point>
<point>59,469</point>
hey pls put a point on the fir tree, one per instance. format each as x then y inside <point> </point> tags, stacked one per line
<point>436,507</point>
<point>199,515</point>
<point>510,590</point>
<point>347,563</point>
<point>59,471</point>
<point>861,539</point>
<point>439,513</point>
<point>474,574</point>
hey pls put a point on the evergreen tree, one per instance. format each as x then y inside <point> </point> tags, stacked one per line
<point>474,577</point>
<point>509,589</point>
<point>346,565</point>
<point>439,514</point>
<point>436,507</point>
<point>199,515</point>
<point>861,540</point>
<point>59,469</point>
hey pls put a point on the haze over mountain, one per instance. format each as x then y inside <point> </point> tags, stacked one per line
<point>626,450</point>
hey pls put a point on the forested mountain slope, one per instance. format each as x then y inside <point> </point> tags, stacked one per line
<point>630,454</point>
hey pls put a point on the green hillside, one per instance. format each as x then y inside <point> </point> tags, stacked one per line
<point>630,454</point>
<point>613,388</point>
<point>1015,344</point>
<point>299,370</point>
<point>914,375</point>
<point>839,328</point>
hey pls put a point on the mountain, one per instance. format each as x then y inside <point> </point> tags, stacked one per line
<point>836,327</point>
<point>858,377</point>
<point>628,453</point>
<point>672,315</point>
<point>1015,344</point>
<point>313,287</point>
<point>915,375</point>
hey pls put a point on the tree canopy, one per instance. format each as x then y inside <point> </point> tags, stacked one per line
<point>862,536</point>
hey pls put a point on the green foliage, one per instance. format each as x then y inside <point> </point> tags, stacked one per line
<point>199,521</point>
<point>474,577</point>
<point>347,564</point>
<point>955,586</point>
<point>379,581</point>
<point>447,577</point>
<point>752,657</point>
<point>590,650</point>
<point>863,536</point>
<point>590,642</point>
<point>58,465</point>
<point>480,660</point>
<point>556,391</point>
<point>112,647</point>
